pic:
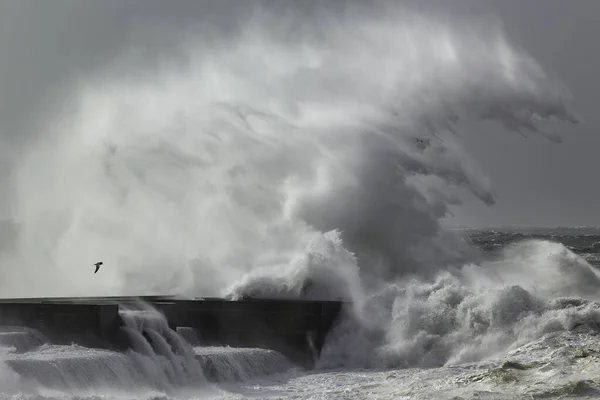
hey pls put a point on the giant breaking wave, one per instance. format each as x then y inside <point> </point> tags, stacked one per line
<point>301,158</point>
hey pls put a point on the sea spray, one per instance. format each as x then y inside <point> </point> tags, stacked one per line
<point>10,382</point>
<point>230,364</point>
<point>161,353</point>
<point>188,177</point>
<point>286,163</point>
<point>469,315</point>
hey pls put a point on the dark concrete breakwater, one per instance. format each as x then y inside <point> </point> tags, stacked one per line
<point>296,328</point>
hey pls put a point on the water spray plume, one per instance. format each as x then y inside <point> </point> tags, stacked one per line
<point>287,163</point>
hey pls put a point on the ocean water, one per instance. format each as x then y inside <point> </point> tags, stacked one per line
<point>305,155</point>
<point>583,241</point>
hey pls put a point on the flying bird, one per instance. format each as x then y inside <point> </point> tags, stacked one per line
<point>98,264</point>
<point>422,144</point>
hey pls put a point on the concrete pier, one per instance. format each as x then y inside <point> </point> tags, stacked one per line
<point>293,327</point>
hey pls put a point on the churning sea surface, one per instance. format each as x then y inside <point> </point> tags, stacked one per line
<point>541,347</point>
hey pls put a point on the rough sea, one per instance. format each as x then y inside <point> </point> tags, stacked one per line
<point>305,155</point>
<point>560,358</point>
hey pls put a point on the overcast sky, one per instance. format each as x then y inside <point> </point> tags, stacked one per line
<point>537,182</point>
<point>46,45</point>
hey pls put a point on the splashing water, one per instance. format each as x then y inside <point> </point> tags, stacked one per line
<point>223,364</point>
<point>161,353</point>
<point>471,314</point>
<point>310,164</point>
<point>159,360</point>
<point>159,363</point>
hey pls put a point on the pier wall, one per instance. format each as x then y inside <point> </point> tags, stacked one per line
<point>295,328</point>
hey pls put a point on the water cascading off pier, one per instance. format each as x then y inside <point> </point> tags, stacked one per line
<point>161,341</point>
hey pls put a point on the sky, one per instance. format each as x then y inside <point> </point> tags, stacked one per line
<point>538,183</point>
<point>46,47</point>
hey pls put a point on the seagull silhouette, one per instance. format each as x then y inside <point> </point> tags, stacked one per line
<point>98,264</point>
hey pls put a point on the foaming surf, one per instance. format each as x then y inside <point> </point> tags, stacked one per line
<point>304,159</point>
